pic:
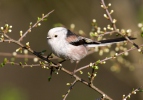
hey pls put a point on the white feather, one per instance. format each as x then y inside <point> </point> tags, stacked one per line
<point>101,44</point>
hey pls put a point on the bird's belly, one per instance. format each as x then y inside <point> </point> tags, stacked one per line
<point>77,53</point>
<point>73,53</point>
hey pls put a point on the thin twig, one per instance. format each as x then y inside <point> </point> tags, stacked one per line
<point>23,56</point>
<point>114,25</point>
<point>17,55</point>
<point>133,92</point>
<point>106,33</point>
<point>6,40</point>
<point>71,87</point>
<point>23,65</point>
<point>92,76</point>
<point>35,25</point>
<point>108,58</point>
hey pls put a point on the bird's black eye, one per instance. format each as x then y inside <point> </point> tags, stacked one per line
<point>56,35</point>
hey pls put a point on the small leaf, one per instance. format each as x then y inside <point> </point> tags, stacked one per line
<point>142,34</point>
<point>95,67</point>
<point>50,63</point>
<point>5,60</point>
<point>140,90</point>
<point>94,74</point>
<point>81,72</point>
<point>27,44</point>
<point>17,49</point>
<point>49,78</point>
<point>42,52</point>
<point>92,34</point>
<point>12,63</point>
<point>68,84</point>
<point>58,25</point>
<point>38,18</point>
<point>89,74</point>
<point>2,65</point>
<point>20,63</point>
<point>97,62</point>
<point>63,96</point>
<point>44,19</point>
<point>25,63</point>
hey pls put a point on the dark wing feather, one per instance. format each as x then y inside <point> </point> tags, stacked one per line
<point>78,40</point>
<point>116,40</point>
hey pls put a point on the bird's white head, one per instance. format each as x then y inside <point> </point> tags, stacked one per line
<point>57,33</point>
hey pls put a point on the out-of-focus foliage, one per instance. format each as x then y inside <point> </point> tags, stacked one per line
<point>12,93</point>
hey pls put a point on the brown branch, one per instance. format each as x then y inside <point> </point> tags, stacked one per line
<point>23,65</point>
<point>106,33</point>
<point>86,83</point>
<point>6,40</point>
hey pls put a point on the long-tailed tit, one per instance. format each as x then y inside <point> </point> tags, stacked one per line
<point>69,46</point>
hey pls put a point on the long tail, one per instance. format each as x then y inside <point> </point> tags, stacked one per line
<point>109,41</point>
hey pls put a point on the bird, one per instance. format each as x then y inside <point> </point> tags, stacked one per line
<point>69,46</point>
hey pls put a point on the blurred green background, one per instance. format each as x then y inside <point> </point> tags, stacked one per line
<point>18,83</point>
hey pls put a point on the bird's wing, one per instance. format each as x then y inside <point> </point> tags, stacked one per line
<point>79,40</point>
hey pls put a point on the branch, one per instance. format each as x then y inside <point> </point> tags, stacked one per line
<point>108,58</point>
<point>41,19</point>
<point>114,25</point>
<point>14,54</point>
<point>133,92</point>
<point>86,83</point>
<point>71,87</point>
<point>17,55</point>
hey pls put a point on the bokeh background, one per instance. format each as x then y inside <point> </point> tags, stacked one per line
<point>18,83</point>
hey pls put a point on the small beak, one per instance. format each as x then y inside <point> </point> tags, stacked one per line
<point>48,37</point>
